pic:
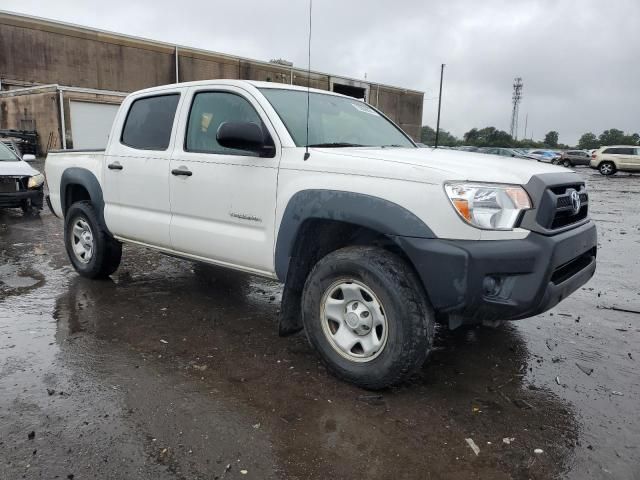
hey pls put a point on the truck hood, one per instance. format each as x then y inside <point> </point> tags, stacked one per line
<point>16,169</point>
<point>439,165</point>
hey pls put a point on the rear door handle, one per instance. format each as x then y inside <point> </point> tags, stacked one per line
<point>181,171</point>
<point>115,166</point>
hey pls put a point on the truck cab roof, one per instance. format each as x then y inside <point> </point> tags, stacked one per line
<point>238,83</point>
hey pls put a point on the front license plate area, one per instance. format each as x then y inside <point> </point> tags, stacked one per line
<point>8,185</point>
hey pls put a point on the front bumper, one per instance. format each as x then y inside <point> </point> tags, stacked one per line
<point>503,279</point>
<point>18,199</point>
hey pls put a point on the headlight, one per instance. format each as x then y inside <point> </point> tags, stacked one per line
<point>493,207</point>
<point>35,181</point>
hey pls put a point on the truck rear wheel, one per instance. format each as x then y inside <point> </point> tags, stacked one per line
<point>92,251</point>
<point>366,313</point>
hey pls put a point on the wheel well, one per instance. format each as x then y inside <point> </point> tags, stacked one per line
<point>315,239</point>
<point>75,193</point>
<point>319,237</point>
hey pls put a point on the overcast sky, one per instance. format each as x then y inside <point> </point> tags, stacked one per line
<point>579,59</point>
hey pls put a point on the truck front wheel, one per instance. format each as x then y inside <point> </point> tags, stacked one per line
<point>366,313</point>
<point>92,251</point>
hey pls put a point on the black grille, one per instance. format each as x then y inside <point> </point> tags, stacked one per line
<point>565,201</point>
<point>564,218</point>
<point>13,184</point>
<point>565,213</point>
<point>562,189</point>
<point>553,209</point>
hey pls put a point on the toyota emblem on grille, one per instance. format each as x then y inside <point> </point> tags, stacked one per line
<point>575,202</point>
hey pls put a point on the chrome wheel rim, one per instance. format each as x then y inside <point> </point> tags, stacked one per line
<point>82,240</point>
<point>354,320</point>
<point>606,169</point>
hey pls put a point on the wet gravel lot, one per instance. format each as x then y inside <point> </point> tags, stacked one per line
<point>172,370</point>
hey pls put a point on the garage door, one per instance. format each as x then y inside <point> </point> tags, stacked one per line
<point>91,123</point>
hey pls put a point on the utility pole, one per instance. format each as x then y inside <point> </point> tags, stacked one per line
<point>517,96</point>
<point>526,121</point>
<point>439,104</point>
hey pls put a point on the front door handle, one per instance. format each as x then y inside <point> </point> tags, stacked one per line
<point>181,171</point>
<point>115,166</point>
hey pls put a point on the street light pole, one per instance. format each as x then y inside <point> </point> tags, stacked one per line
<point>439,104</point>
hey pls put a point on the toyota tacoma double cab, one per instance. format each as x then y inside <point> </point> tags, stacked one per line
<point>374,239</point>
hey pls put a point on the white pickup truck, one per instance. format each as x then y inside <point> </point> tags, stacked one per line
<point>374,238</point>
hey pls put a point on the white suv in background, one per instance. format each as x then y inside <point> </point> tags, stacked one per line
<point>609,160</point>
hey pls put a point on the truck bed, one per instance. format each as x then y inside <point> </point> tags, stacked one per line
<point>58,161</point>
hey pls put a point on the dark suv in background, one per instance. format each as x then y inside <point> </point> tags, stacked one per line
<point>571,158</point>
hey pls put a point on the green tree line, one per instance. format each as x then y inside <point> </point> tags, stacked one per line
<point>492,137</point>
<point>612,136</point>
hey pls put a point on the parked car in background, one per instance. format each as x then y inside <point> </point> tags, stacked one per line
<point>623,158</point>
<point>21,186</point>
<point>571,158</point>
<point>467,148</point>
<point>506,152</point>
<point>547,156</point>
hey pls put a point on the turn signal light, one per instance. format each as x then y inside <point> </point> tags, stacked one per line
<point>463,208</point>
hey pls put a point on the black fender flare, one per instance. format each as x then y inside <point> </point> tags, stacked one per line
<point>359,209</point>
<point>86,179</point>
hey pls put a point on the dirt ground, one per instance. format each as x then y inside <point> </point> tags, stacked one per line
<point>172,370</point>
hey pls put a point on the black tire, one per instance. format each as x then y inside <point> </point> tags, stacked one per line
<point>409,316</point>
<point>107,251</point>
<point>567,164</point>
<point>607,168</point>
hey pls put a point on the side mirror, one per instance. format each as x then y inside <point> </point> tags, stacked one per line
<point>246,136</point>
<point>29,158</point>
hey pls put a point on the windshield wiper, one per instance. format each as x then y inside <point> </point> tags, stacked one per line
<point>392,145</point>
<point>336,145</point>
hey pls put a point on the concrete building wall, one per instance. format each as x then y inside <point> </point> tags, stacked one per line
<point>33,112</point>
<point>40,111</point>
<point>47,54</point>
<point>34,51</point>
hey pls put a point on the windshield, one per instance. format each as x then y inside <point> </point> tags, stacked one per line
<point>7,155</point>
<point>333,121</point>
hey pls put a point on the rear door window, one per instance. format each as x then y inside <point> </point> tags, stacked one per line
<point>149,122</point>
